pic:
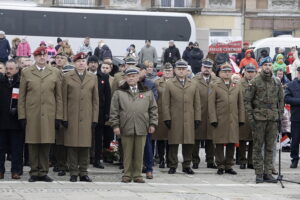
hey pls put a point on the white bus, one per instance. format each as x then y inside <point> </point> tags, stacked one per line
<point>117,28</point>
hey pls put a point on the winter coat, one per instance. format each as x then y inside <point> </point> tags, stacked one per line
<point>8,119</point>
<point>187,55</point>
<point>51,52</point>
<point>196,59</point>
<point>40,103</point>
<point>181,105</point>
<point>148,53</point>
<point>4,49</point>
<point>277,66</point>
<point>65,49</point>
<point>85,49</point>
<point>104,92</point>
<point>103,53</point>
<point>293,68</point>
<point>241,55</point>
<point>81,108</point>
<point>24,49</point>
<point>171,55</point>
<point>133,113</point>
<point>226,107</point>
<point>292,97</point>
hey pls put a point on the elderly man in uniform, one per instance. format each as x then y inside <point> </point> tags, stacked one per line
<point>203,80</point>
<point>40,111</point>
<point>264,105</point>
<point>81,108</point>
<point>161,134</point>
<point>245,131</point>
<point>181,115</point>
<point>133,115</point>
<point>226,114</point>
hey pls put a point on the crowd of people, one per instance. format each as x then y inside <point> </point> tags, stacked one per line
<point>67,110</point>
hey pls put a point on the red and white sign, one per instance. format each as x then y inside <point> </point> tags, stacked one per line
<point>225,44</point>
<point>15,93</point>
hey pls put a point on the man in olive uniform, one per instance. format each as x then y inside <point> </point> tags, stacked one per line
<point>81,108</point>
<point>203,80</point>
<point>133,115</point>
<point>181,115</point>
<point>245,131</point>
<point>264,105</point>
<point>226,114</point>
<point>161,134</point>
<point>40,111</point>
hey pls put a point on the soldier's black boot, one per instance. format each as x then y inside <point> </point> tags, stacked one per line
<point>211,165</point>
<point>243,166</point>
<point>195,166</point>
<point>230,171</point>
<point>172,170</point>
<point>220,171</point>
<point>268,178</point>
<point>98,164</point>
<point>188,170</point>
<point>61,173</point>
<point>294,164</point>
<point>259,178</point>
<point>162,164</point>
<point>250,166</point>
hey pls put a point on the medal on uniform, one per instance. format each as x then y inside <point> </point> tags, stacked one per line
<point>102,82</point>
<point>141,96</point>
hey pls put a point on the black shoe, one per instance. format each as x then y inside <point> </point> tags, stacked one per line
<point>55,169</point>
<point>61,173</point>
<point>243,166</point>
<point>121,166</point>
<point>172,170</point>
<point>98,165</point>
<point>230,171</point>
<point>33,179</point>
<point>211,165</point>
<point>45,178</point>
<point>195,166</point>
<point>250,166</point>
<point>73,178</point>
<point>188,170</point>
<point>162,164</point>
<point>144,170</point>
<point>220,171</point>
<point>268,178</point>
<point>85,178</point>
<point>294,164</point>
<point>259,178</point>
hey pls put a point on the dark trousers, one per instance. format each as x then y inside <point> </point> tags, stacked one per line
<point>209,152</point>
<point>225,161</point>
<point>61,157</point>
<point>243,159</point>
<point>162,150</point>
<point>16,140</point>
<point>39,159</point>
<point>187,151</point>
<point>78,160</point>
<point>295,129</point>
<point>102,139</point>
<point>148,153</point>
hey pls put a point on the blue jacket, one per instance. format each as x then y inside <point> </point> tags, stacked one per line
<point>4,49</point>
<point>151,85</point>
<point>292,97</point>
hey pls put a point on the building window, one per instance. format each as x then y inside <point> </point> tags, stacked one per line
<point>283,4</point>
<point>175,3</point>
<point>86,3</point>
<point>219,33</point>
<point>278,33</point>
<point>220,4</point>
<point>124,2</point>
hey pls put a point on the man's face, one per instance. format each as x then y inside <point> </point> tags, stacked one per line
<point>132,79</point>
<point>61,61</point>
<point>143,73</point>
<point>2,36</point>
<point>122,68</point>
<point>105,68</point>
<point>148,43</point>
<point>93,66</point>
<point>171,44</point>
<point>81,64</point>
<point>226,75</point>
<point>41,59</point>
<point>267,67</point>
<point>181,72</point>
<point>246,46</point>
<point>279,74</point>
<point>11,69</point>
<point>168,73</point>
<point>250,75</point>
<point>87,42</point>
<point>2,69</point>
<point>206,71</point>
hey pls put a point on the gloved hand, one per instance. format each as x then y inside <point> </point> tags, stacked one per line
<point>106,118</point>
<point>94,125</point>
<point>214,124</point>
<point>197,123</point>
<point>58,122</point>
<point>65,124</point>
<point>241,124</point>
<point>23,123</point>
<point>168,124</point>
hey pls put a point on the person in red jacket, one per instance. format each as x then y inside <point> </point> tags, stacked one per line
<point>247,60</point>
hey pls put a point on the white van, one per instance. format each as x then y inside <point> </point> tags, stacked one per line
<point>272,44</point>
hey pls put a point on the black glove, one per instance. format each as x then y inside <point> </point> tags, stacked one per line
<point>23,123</point>
<point>214,124</point>
<point>94,125</point>
<point>106,118</point>
<point>65,124</point>
<point>197,123</point>
<point>168,124</point>
<point>13,112</point>
<point>241,124</point>
<point>58,122</point>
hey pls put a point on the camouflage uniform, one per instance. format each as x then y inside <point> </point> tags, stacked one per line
<point>264,105</point>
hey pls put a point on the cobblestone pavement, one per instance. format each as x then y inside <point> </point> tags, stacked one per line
<point>205,184</point>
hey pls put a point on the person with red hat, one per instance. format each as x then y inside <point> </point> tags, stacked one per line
<point>40,112</point>
<point>248,60</point>
<point>81,109</point>
<point>242,55</point>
